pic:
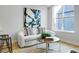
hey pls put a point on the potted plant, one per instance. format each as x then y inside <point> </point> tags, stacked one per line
<point>45,34</point>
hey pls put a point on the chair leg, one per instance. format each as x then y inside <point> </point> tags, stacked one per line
<point>1,46</point>
<point>11,45</point>
<point>7,43</point>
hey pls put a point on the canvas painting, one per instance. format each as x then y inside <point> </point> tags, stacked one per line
<point>32,17</point>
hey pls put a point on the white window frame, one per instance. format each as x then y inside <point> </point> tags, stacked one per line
<point>62,30</point>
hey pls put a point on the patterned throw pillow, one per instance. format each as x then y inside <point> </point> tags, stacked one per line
<point>25,32</point>
<point>41,30</point>
<point>29,30</point>
<point>33,31</point>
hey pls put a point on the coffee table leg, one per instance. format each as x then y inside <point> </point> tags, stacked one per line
<point>47,47</point>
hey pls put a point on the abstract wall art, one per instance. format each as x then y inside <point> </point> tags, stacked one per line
<point>32,17</point>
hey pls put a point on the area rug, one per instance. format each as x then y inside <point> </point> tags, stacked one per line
<point>56,48</point>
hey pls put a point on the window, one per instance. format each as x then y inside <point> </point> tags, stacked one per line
<point>64,18</point>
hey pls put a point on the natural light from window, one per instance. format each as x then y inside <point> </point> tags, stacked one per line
<point>64,18</point>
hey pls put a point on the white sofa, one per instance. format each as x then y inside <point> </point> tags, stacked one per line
<point>24,41</point>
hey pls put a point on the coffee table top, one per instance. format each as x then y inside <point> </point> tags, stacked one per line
<point>50,39</point>
<point>54,39</point>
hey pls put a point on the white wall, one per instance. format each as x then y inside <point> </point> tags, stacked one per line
<point>11,17</point>
<point>50,21</point>
<point>71,37</point>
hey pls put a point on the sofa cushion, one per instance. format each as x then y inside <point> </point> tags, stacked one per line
<point>31,43</point>
<point>32,37</point>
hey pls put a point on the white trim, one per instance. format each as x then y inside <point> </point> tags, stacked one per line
<point>64,31</point>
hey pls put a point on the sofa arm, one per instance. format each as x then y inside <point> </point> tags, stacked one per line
<point>20,39</point>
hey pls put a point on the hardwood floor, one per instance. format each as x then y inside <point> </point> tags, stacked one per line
<point>62,46</point>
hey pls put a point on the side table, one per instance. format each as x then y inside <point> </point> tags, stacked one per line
<point>3,38</point>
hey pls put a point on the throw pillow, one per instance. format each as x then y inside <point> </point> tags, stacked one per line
<point>25,31</point>
<point>29,30</point>
<point>41,30</point>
